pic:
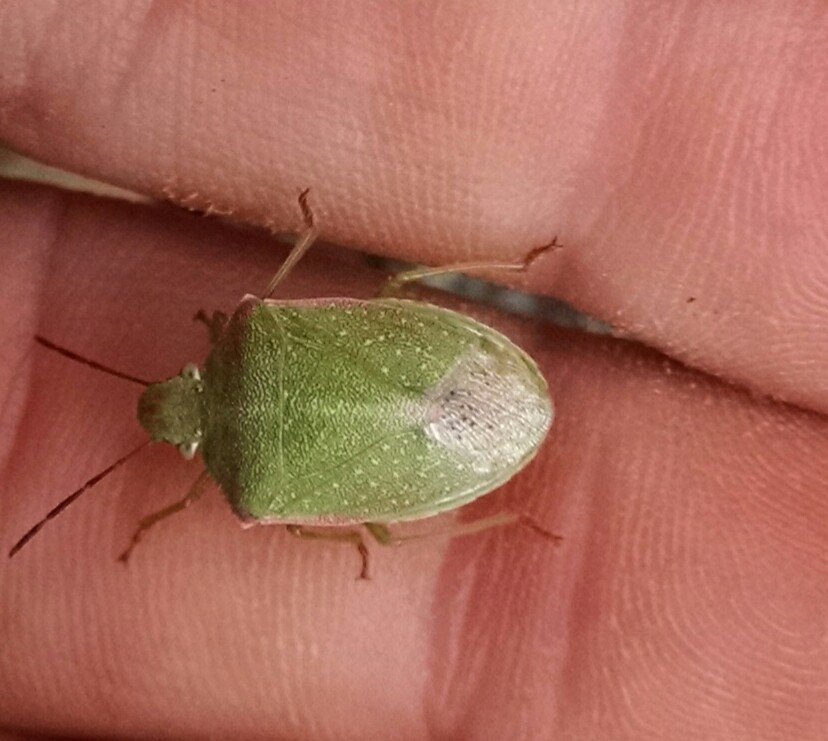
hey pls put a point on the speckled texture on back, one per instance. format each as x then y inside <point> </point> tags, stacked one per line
<point>350,411</point>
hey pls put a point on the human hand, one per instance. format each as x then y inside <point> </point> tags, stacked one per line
<point>669,150</point>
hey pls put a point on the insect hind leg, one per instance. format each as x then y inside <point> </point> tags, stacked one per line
<point>383,535</point>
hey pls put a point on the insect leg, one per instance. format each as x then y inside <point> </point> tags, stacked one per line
<point>303,244</point>
<point>340,536</point>
<point>383,535</point>
<point>215,324</point>
<point>395,282</point>
<point>196,490</point>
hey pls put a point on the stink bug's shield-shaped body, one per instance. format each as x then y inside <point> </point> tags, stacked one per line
<point>343,411</point>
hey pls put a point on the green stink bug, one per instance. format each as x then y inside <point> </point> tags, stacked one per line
<point>346,412</point>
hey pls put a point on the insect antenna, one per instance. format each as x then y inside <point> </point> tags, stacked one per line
<point>55,511</point>
<point>91,363</point>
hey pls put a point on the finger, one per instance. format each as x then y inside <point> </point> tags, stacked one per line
<point>685,187</point>
<point>693,518</point>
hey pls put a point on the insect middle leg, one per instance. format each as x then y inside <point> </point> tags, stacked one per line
<point>339,536</point>
<point>303,244</point>
<point>395,282</point>
<point>196,490</point>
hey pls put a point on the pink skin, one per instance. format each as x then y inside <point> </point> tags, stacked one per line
<point>676,149</point>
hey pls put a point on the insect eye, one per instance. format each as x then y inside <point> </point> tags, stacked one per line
<point>190,372</point>
<point>188,449</point>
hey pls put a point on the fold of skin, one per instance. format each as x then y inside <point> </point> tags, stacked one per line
<point>675,150</point>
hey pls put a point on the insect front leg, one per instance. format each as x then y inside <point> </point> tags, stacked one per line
<point>395,282</point>
<point>215,324</point>
<point>340,536</point>
<point>196,490</point>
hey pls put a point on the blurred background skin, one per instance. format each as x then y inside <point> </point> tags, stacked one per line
<point>676,149</point>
